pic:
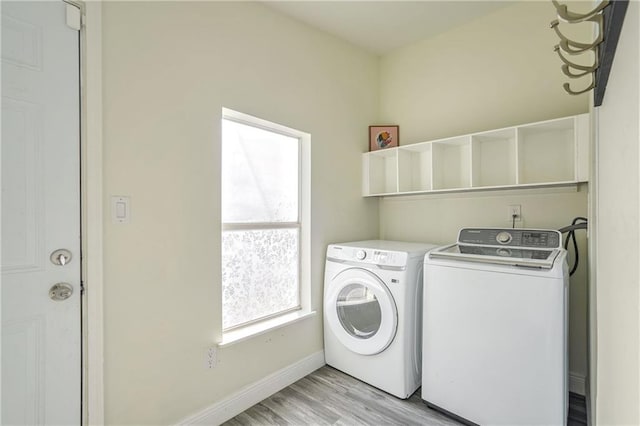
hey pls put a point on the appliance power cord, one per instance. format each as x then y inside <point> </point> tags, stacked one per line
<point>577,223</point>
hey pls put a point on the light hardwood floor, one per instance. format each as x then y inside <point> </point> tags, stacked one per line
<point>330,397</point>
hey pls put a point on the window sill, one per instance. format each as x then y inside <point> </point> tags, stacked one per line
<point>232,337</point>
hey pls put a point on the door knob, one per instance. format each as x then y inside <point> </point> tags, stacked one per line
<point>60,291</point>
<point>60,257</point>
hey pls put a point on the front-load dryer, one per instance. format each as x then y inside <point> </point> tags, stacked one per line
<point>372,312</point>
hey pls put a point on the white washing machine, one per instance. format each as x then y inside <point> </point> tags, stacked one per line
<point>495,327</point>
<point>372,312</point>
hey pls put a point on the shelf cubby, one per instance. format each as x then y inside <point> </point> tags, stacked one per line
<point>382,177</point>
<point>546,152</point>
<point>414,168</point>
<point>494,158</point>
<point>451,163</point>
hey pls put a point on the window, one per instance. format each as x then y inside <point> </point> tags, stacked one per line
<point>263,231</point>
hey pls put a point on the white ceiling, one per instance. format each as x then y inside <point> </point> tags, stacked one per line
<point>381,26</point>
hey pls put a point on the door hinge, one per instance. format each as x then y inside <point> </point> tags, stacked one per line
<point>74,17</point>
<point>82,288</point>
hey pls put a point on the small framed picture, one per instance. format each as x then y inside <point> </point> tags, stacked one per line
<point>381,137</point>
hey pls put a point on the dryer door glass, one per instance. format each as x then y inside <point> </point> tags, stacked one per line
<point>359,311</point>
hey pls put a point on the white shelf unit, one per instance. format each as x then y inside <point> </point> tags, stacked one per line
<point>546,153</point>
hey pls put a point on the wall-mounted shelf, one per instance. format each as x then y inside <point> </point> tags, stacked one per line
<point>547,153</point>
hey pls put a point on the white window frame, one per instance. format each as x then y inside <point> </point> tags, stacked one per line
<point>303,310</point>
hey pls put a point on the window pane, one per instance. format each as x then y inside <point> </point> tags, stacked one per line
<point>259,274</point>
<point>259,175</point>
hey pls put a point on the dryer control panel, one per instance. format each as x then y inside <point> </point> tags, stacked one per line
<point>367,256</point>
<point>529,238</point>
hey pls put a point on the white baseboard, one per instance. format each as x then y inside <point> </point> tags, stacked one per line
<point>577,383</point>
<point>250,395</point>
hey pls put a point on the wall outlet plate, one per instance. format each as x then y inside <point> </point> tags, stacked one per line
<point>210,357</point>
<point>516,210</point>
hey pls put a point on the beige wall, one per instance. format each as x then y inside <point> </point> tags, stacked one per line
<point>497,71</point>
<point>169,68</point>
<point>617,391</point>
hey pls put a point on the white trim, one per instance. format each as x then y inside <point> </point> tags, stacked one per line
<point>234,226</point>
<point>250,395</point>
<point>92,238</point>
<point>304,203</point>
<point>577,383</point>
<point>243,333</point>
<point>592,258</point>
<point>250,120</point>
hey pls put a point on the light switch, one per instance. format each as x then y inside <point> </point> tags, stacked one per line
<point>120,209</point>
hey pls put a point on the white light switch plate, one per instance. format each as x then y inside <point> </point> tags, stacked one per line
<point>120,209</point>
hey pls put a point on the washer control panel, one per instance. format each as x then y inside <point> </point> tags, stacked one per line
<point>368,256</point>
<point>534,238</point>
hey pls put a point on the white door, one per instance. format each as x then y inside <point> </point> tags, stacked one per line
<point>361,312</point>
<point>41,348</point>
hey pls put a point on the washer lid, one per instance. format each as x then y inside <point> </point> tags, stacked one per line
<point>361,312</point>
<point>524,257</point>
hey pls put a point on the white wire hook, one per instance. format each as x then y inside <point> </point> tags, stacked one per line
<point>567,87</point>
<point>571,17</point>
<point>574,47</point>
<point>589,68</point>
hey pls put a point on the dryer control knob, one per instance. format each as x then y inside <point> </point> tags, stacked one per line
<point>361,254</point>
<point>503,237</point>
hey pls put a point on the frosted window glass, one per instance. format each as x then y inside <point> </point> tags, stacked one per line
<point>259,175</point>
<point>259,274</point>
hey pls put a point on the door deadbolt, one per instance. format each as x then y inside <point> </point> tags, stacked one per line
<point>60,257</point>
<point>60,291</point>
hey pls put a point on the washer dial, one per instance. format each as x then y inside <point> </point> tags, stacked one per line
<point>504,237</point>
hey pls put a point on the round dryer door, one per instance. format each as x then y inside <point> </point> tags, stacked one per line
<point>361,312</point>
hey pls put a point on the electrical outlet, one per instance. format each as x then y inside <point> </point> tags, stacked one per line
<point>515,209</point>
<point>211,357</point>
